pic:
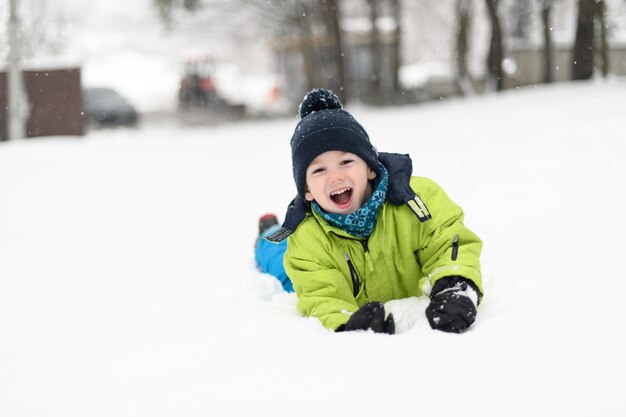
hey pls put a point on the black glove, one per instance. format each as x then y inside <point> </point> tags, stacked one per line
<point>452,307</point>
<point>370,316</point>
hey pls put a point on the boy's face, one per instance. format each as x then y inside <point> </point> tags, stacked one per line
<point>339,182</point>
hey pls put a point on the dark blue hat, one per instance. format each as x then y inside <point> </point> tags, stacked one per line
<point>325,126</point>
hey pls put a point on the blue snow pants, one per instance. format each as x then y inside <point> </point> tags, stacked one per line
<point>269,258</point>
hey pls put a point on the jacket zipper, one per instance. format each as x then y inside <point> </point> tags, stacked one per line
<point>455,247</point>
<point>355,277</point>
<point>366,250</point>
<point>353,274</point>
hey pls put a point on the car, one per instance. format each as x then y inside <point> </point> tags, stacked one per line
<point>104,106</point>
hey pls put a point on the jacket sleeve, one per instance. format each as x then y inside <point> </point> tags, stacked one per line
<point>322,289</point>
<point>445,246</point>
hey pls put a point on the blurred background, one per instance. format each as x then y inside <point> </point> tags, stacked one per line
<point>68,67</point>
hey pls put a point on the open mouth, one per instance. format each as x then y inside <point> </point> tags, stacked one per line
<point>342,196</point>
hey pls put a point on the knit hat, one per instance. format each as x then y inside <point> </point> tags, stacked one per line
<point>325,126</point>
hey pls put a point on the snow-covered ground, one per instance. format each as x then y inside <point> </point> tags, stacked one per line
<point>128,287</point>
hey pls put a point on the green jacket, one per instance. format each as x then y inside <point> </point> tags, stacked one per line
<point>403,257</point>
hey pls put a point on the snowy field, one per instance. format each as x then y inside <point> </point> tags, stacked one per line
<point>128,287</point>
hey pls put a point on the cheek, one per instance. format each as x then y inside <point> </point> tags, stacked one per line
<point>315,186</point>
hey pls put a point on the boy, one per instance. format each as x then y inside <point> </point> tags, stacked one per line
<point>362,231</point>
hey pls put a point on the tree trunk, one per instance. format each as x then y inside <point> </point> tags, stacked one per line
<point>331,20</point>
<point>307,47</point>
<point>548,50</point>
<point>463,80</point>
<point>17,100</point>
<point>396,54</point>
<point>375,51</point>
<point>495,78</point>
<point>582,56</point>
<point>604,47</point>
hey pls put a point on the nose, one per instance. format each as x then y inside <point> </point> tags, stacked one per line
<point>335,175</point>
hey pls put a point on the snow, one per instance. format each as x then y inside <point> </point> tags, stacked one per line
<point>419,74</point>
<point>128,286</point>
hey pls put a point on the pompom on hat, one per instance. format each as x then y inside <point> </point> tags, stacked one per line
<point>325,126</point>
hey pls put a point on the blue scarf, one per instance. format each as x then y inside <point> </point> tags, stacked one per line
<point>361,222</point>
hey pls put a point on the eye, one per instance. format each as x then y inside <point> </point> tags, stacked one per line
<point>347,161</point>
<point>317,171</point>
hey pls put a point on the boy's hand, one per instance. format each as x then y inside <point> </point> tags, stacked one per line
<point>371,316</point>
<point>453,305</point>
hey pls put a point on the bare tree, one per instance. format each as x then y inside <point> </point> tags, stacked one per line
<point>17,112</point>
<point>167,8</point>
<point>583,62</point>
<point>495,74</point>
<point>331,18</point>
<point>384,49</point>
<point>320,38</point>
<point>297,20</point>
<point>463,79</point>
<point>42,31</point>
<point>582,56</point>
<point>375,49</point>
<point>548,48</point>
<point>307,46</point>
<point>603,42</point>
<point>310,25</point>
<point>396,57</point>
